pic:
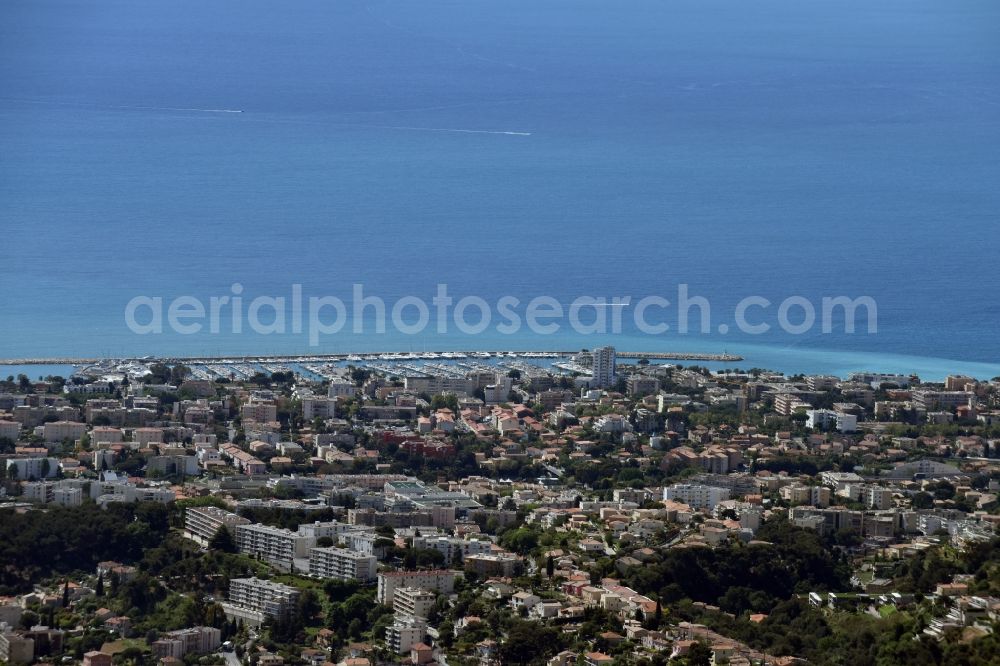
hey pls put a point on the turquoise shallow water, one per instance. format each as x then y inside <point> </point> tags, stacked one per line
<point>565,148</point>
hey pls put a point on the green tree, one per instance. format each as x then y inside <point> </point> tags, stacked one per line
<point>223,541</point>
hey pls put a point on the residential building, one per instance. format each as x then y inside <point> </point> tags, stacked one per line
<point>32,468</point>
<point>413,601</point>
<point>342,564</point>
<point>195,640</point>
<point>639,385</point>
<point>404,633</point>
<point>695,495</point>
<point>877,498</point>
<point>452,547</point>
<point>203,523</point>
<point>58,431</point>
<point>603,368</point>
<point>440,580</point>
<point>10,430</point>
<point>253,600</point>
<point>494,564</point>
<point>16,649</point>
<point>823,419</point>
<point>95,658</point>
<point>274,545</point>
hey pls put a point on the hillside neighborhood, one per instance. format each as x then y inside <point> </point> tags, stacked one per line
<point>605,512</point>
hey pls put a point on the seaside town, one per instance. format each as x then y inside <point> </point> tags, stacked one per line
<point>590,509</point>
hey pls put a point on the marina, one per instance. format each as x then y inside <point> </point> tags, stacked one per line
<point>451,364</point>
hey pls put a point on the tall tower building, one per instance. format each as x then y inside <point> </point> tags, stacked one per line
<point>603,373</point>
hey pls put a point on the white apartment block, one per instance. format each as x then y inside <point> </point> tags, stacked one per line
<point>274,545</point>
<point>320,407</point>
<point>822,419</point>
<point>603,369</point>
<point>413,601</point>
<point>332,529</point>
<point>341,390</point>
<point>439,580</point>
<point>195,640</point>
<point>696,495</point>
<point>361,541</point>
<point>253,600</point>
<point>877,498</point>
<point>404,633</point>
<point>342,564</point>
<point>128,493</point>
<point>67,496</point>
<point>452,547</point>
<point>436,385</point>
<point>32,468</point>
<point>203,523</point>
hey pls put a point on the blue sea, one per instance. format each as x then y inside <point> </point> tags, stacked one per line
<point>519,147</point>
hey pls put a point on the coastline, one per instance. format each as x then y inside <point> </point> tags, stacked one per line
<point>789,360</point>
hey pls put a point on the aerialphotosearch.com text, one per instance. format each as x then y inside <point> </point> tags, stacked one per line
<point>319,316</point>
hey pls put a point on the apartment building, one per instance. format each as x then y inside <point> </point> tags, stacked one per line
<point>947,400</point>
<point>603,368</point>
<point>413,601</point>
<point>876,498</point>
<point>788,403</point>
<point>342,564</point>
<point>58,431</point>
<point>405,632</point>
<point>10,430</point>
<point>822,382</point>
<point>203,523</point>
<point>811,495</point>
<point>243,461</point>
<point>274,545</point>
<point>440,580</point>
<point>16,649</point>
<point>259,410</point>
<point>67,496</point>
<point>32,468</point>
<point>107,435</point>
<point>175,464</point>
<point>695,495</point>
<point>143,437</point>
<point>639,385</point>
<point>341,389</point>
<point>105,493</point>
<point>318,407</point>
<point>494,564</point>
<point>194,640</point>
<point>823,419</point>
<point>452,547</point>
<point>253,600</point>
<point>332,529</point>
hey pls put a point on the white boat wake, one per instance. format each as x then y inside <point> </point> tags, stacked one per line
<point>171,108</point>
